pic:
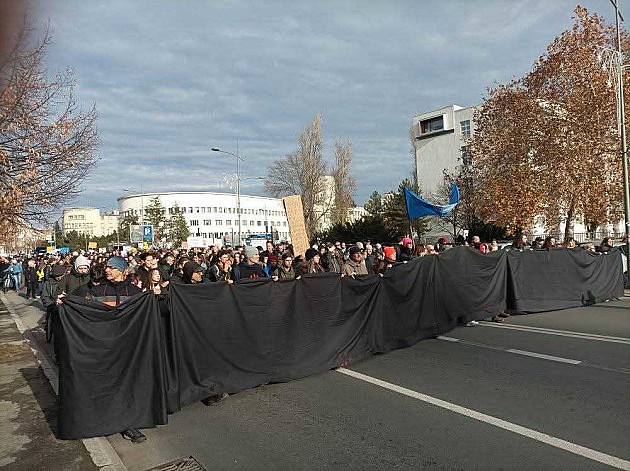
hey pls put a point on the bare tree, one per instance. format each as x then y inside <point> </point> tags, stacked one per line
<point>302,173</point>
<point>47,144</point>
<point>345,183</point>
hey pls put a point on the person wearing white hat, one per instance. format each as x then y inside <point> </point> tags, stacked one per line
<point>80,275</point>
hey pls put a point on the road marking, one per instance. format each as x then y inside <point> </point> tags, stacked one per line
<point>448,339</point>
<point>543,356</point>
<point>574,448</point>
<point>563,333</point>
<point>468,343</point>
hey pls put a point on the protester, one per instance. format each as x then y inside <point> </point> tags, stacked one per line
<point>250,266</point>
<point>192,273</point>
<point>222,269</point>
<point>285,271</point>
<point>310,264</point>
<point>354,265</point>
<point>386,263</point>
<point>606,245</point>
<point>80,275</point>
<point>406,250</point>
<point>156,284</point>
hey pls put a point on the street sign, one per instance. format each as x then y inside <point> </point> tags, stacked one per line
<point>135,233</point>
<point>147,234</point>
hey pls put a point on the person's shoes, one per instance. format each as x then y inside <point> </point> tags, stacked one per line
<point>133,434</point>
<point>472,324</point>
<point>503,314</point>
<point>208,401</point>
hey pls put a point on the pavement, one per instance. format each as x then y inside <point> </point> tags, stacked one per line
<point>28,399</point>
<point>541,391</point>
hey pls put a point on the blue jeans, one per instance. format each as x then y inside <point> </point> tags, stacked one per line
<point>16,281</point>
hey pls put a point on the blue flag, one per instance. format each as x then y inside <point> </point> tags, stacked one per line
<point>418,207</point>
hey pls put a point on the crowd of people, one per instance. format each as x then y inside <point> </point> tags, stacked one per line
<point>82,274</point>
<point>113,277</point>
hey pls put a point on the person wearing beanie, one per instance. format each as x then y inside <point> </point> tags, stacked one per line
<point>53,286</point>
<point>80,275</point>
<point>310,263</point>
<point>406,250</point>
<point>250,266</point>
<point>115,291</point>
<point>354,265</point>
<point>381,265</point>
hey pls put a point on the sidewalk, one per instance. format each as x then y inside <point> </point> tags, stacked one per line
<point>28,401</point>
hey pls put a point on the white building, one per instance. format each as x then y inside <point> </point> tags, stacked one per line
<point>89,221</point>
<point>439,141</point>
<point>213,216</point>
<point>356,213</point>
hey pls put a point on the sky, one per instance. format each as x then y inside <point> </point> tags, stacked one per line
<point>172,79</point>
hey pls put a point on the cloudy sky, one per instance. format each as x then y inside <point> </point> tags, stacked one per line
<point>171,79</point>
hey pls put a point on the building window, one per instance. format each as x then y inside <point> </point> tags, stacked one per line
<point>465,128</point>
<point>194,222</point>
<point>466,160</point>
<point>207,222</point>
<point>196,210</point>
<point>214,210</point>
<point>219,222</point>
<point>259,223</point>
<point>432,125</point>
<point>228,222</point>
<point>244,222</point>
<point>190,209</point>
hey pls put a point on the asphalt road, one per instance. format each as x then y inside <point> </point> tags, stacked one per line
<point>504,406</point>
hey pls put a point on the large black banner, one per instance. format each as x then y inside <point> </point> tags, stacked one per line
<point>130,366</point>
<point>543,280</point>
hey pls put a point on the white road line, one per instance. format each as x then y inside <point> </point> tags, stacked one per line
<point>543,356</point>
<point>448,339</point>
<point>562,333</point>
<point>589,453</point>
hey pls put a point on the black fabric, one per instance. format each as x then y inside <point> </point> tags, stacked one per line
<point>547,280</point>
<point>128,366</point>
<point>112,367</point>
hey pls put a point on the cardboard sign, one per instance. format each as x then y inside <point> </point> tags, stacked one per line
<point>297,228</point>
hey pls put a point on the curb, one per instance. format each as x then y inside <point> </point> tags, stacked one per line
<point>101,451</point>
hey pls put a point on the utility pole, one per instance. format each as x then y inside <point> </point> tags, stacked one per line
<point>622,131</point>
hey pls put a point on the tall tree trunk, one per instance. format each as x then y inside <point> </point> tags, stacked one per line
<point>568,227</point>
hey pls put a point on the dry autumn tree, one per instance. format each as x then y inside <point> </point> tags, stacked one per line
<point>47,144</point>
<point>345,183</point>
<point>548,144</point>
<point>302,173</point>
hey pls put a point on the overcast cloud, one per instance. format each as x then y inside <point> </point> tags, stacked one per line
<point>172,79</point>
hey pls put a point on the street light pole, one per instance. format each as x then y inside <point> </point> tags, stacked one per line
<point>624,147</point>
<point>238,184</point>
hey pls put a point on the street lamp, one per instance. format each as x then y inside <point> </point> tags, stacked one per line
<point>613,61</point>
<point>238,184</point>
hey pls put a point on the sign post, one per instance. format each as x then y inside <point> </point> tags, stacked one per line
<point>147,233</point>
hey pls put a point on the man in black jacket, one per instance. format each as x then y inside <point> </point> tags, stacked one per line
<point>116,290</point>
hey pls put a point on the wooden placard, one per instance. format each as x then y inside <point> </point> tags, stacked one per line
<point>297,228</point>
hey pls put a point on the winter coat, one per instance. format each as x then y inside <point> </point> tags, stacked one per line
<point>74,281</point>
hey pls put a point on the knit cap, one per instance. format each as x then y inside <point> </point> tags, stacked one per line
<point>250,251</point>
<point>389,251</point>
<point>117,262</point>
<point>81,261</point>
